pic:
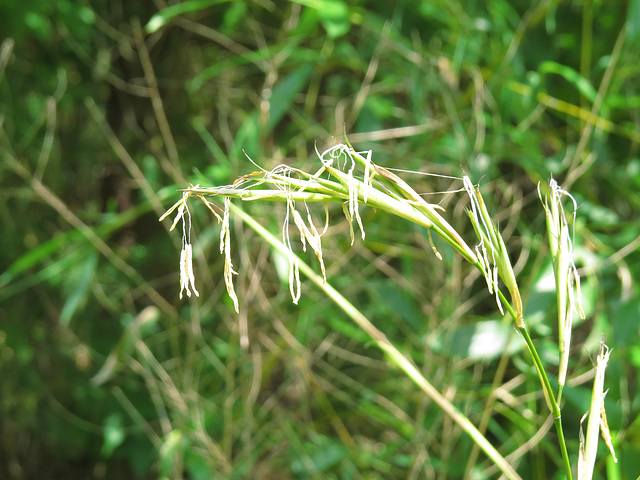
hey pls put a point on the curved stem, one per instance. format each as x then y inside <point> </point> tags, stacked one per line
<point>385,345</point>
<point>551,400</point>
<point>546,388</point>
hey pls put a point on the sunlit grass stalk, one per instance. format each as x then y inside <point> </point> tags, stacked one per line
<point>395,356</point>
<point>597,420</point>
<point>496,263</point>
<point>568,296</point>
<point>337,181</point>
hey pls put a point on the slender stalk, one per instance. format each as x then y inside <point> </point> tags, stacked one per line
<point>380,188</point>
<point>546,387</point>
<point>551,401</point>
<point>385,345</point>
<point>493,244</point>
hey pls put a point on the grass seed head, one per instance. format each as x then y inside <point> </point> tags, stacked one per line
<point>492,252</point>
<point>225,247</point>
<point>597,420</point>
<point>568,293</point>
<point>346,176</point>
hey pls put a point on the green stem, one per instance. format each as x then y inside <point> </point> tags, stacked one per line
<point>553,404</point>
<point>546,386</point>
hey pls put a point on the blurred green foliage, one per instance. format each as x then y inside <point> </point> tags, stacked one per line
<point>107,108</point>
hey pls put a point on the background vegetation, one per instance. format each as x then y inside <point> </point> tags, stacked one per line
<point>107,108</point>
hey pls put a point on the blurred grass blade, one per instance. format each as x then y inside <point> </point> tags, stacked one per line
<point>633,20</point>
<point>114,434</point>
<point>79,292</point>
<point>285,92</point>
<point>334,15</point>
<point>572,76</point>
<point>280,102</point>
<point>74,239</point>
<point>143,324</point>
<point>172,445</point>
<point>35,255</point>
<point>161,18</point>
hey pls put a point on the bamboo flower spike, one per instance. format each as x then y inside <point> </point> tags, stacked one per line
<point>494,262</point>
<point>187,278</point>
<point>346,176</point>
<point>351,178</point>
<point>492,253</point>
<point>597,420</point>
<point>569,299</point>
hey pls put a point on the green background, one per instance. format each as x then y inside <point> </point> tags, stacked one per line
<point>108,108</point>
